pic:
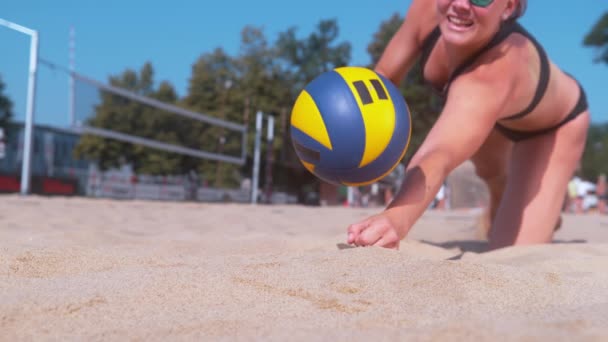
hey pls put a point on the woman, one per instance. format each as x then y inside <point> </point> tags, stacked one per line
<point>516,115</point>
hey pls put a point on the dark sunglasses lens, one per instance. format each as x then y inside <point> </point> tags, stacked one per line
<point>481,3</point>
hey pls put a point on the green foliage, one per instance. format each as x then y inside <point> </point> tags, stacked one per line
<point>598,38</point>
<point>264,85</point>
<point>595,157</point>
<point>307,58</point>
<point>382,37</point>
<point>213,90</point>
<point>6,107</point>
<point>123,115</point>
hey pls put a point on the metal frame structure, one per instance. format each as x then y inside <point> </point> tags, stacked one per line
<point>30,105</point>
<point>85,129</point>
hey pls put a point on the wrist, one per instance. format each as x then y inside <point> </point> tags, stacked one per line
<point>396,215</point>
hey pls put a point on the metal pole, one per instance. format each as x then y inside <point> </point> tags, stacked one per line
<point>269,157</point>
<point>256,157</point>
<point>31,95</point>
<point>350,196</point>
<point>29,117</point>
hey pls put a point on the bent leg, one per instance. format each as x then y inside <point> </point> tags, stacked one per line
<point>491,162</point>
<point>539,173</point>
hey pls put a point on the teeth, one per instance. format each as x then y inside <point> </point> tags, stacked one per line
<point>459,21</point>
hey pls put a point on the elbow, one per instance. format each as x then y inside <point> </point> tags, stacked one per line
<point>380,70</point>
<point>436,162</point>
<point>393,76</point>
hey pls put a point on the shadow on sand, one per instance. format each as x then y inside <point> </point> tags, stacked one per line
<point>474,246</point>
<point>479,246</point>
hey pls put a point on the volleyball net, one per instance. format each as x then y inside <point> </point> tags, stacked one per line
<point>125,126</point>
<point>110,112</point>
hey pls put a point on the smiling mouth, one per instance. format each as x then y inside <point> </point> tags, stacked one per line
<point>460,22</point>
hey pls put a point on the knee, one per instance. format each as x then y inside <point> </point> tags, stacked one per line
<point>490,171</point>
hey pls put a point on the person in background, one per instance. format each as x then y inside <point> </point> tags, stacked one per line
<point>441,197</point>
<point>571,205</point>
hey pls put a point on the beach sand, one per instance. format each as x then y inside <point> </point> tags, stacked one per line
<point>97,269</point>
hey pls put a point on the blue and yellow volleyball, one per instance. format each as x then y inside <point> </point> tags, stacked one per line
<point>350,126</point>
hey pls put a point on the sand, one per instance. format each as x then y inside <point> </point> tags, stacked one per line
<point>96,269</point>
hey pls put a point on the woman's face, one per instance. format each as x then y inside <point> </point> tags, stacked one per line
<point>464,24</point>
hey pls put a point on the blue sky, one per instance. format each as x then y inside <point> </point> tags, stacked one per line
<point>113,35</point>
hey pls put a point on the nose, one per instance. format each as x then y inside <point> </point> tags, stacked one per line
<point>461,5</point>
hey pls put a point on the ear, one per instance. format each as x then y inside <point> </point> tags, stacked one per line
<point>510,7</point>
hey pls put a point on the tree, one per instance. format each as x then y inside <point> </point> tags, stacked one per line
<point>424,105</point>
<point>595,156</point>
<point>162,126</point>
<point>266,86</point>
<point>123,115</point>
<point>305,59</point>
<point>382,37</point>
<point>6,107</point>
<point>211,92</point>
<point>598,38</point>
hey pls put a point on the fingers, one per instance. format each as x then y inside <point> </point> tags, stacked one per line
<point>373,232</point>
<point>355,229</point>
<point>369,236</point>
<point>388,240</point>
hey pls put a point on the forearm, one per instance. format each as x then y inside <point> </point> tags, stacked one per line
<point>422,181</point>
<point>399,55</point>
<point>396,67</point>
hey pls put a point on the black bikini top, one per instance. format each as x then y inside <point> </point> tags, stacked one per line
<point>505,31</point>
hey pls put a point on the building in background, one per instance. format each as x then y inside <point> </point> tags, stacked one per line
<point>54,169</point>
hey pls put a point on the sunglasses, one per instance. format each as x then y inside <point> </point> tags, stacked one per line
<point>481,3</point>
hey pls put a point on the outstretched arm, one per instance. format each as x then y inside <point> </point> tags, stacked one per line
<point>404,47</point>
<point>475,103</point>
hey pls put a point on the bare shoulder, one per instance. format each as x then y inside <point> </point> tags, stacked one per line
<point>500,63</point>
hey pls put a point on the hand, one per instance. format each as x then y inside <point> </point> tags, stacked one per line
<point>377,230</point>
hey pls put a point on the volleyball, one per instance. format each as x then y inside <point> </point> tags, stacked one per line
<point>350,126</point>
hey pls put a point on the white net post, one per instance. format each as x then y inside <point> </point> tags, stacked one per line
<point>31,95</point>
<point>256,157</point>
